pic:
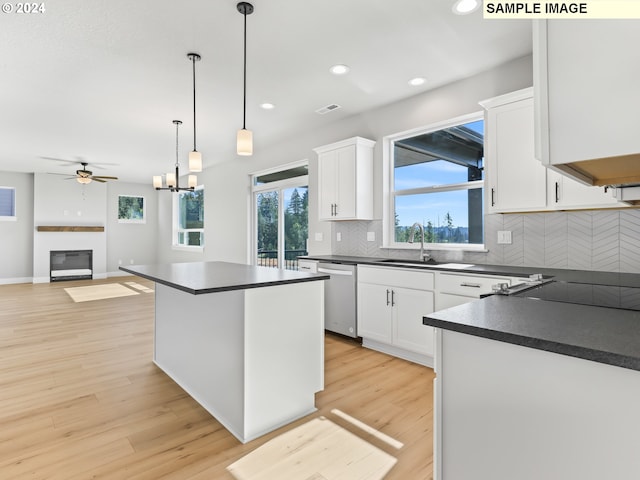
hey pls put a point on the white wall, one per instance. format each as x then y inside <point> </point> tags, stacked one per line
<point>16,237</point>
<point>227,187</point>
<point>131,243</point>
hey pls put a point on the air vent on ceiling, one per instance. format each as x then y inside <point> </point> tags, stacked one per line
<point>327,109</point>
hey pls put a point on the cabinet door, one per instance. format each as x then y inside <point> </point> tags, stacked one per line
<point>517,179</point>
<point>345,183</point>
<point>374,312</point>
<point>327,187</point>
<point>565,192</point>
<point>409,308</point>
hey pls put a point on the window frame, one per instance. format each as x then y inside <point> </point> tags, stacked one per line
<point>14,217</point>
<point>134,220</point>
<point>278,186</point>
<point>389,193</point>
<point>177,230</point>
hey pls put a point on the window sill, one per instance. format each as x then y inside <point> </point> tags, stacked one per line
<point>185,248</point>
<point>8,219</point>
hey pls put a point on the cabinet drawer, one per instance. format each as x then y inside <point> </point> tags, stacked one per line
<point>396,277</point>
<point>468,285</point>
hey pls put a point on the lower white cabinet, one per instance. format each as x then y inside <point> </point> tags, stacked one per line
<point>391,304</point>
<point>453,289</point>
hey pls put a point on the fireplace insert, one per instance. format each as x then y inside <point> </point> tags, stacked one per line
<point>71,265</point>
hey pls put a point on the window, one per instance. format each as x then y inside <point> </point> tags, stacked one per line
<point>7,203</point>
<point>436,179</point>
<point>188,218</point>
<point>131,209</point>
<point>280,212</point>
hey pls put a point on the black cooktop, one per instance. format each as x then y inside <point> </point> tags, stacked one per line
<point>627,298</point>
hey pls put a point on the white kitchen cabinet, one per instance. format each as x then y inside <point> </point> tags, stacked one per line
<point>517,181</point>
<point>345,180</point>
<point>454,289</point>
<point>567,193</point>
<point>391,304</point>
<point>587,97</point>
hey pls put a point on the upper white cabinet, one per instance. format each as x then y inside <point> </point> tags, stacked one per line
<point>517,180</point>
<point>587,97</point>
<point>565,193</point>
<point>345,183</point>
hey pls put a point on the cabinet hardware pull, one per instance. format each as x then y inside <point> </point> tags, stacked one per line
<point>493,202</point>
<point>557,192</point>
<point>393,300</point>
<point>336,209</point>
<point>387,296</point>
<point>473,285</point>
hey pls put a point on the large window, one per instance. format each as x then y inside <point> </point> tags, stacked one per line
<point>436,180</point>
<point>7,203</point>
<point>189,219</point>
<point>280,212</point>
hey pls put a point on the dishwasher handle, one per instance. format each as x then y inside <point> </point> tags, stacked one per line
<point>331,271</point>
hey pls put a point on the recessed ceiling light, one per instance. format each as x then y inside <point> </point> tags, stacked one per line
<point>463,7</point>
<point>417,81</point>
<point>268,106</point>
<point>339,69</point>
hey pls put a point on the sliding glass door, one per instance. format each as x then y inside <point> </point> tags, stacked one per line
<point>281,227</point>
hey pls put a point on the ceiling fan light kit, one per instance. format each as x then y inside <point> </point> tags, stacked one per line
<point>244,140</point>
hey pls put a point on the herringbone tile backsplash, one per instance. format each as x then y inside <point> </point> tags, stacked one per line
<point>603,240</point>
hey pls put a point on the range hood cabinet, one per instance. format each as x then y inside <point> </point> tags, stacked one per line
<point>586,109</point>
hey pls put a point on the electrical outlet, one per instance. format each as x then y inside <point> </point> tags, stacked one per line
<point>318,236</point>
<point>131,261</point>
<point>504,237</point>
<point>371,236</point>
<point>339,237</point>
<point>119,261</point>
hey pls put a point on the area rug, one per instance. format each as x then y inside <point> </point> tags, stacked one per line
<point>99,292</point>
<point>317,450</point>
<point>137,286</point>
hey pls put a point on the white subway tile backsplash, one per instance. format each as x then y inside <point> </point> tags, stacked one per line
<point>606,240</point>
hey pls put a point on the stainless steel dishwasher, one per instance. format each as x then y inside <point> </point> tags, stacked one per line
<point>340,298</point>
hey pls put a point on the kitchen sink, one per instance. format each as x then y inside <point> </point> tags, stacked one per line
<point>409,263</point>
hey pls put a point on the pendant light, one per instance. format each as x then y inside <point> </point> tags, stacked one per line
<point>245,137</point>
<point>195,157</point>
<point>173,179</point>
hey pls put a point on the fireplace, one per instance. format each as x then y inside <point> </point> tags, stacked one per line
<point>71,265</point>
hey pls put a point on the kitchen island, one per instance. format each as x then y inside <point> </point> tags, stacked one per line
<point>247,343</point>
<point>527,388</point>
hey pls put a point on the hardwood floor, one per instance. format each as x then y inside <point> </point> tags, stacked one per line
<point>80,397</point>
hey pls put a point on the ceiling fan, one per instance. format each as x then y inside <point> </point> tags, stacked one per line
<point>86,176</point>
<point>83,175</point>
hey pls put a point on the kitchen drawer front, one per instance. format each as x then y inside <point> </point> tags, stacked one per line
<point>396,277</point>
<point>467,285</point>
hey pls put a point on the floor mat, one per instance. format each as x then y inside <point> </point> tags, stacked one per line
<point>99,292</point>
<point>317,450</point>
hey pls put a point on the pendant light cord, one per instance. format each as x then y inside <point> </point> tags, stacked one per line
<point>193,61</point>
<point>177,156</point>
<point>244,95</point>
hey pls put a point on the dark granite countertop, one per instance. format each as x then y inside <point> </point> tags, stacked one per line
<point>210,277</point>
<point>579,276</point>
<point>600,334</point>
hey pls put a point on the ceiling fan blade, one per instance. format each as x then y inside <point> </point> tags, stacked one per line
<point>96,177</point>
<point>98,180</point>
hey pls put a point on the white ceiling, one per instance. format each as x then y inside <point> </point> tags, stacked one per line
<point>102,80</point>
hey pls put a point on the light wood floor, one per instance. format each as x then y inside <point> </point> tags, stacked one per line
<point>80,397</point>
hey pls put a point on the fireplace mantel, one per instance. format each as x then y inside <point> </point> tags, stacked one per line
<point>68,228</point>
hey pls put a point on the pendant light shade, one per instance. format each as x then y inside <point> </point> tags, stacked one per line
<point>192,181</point>
<point>195,157</point>
<point>244,140</point>
<point>157,181</point>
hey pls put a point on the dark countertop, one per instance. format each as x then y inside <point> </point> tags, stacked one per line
<point>599,334</point>
<point>210,277</point>
<point>579,276</point>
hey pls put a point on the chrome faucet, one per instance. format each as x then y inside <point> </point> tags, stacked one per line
<point>412,233</point>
